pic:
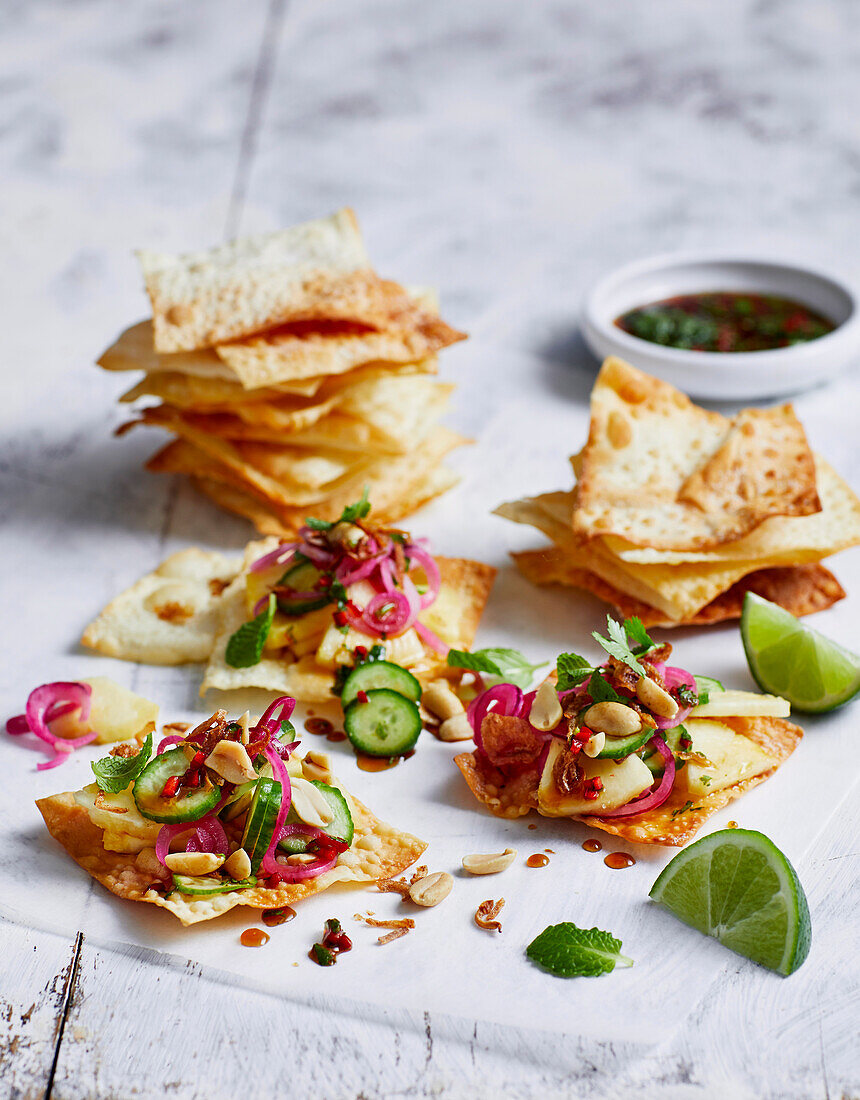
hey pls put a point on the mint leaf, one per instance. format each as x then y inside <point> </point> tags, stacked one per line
<point>245,647</point>
<point>318,524</point>
<point>114,773</point>
<point>637,632</point>
<point>359,510</point>
<point>508,664</point>
<point>601,691</point>
<point>616,645</point>
<point>572,952</point>
<point>572,670</point>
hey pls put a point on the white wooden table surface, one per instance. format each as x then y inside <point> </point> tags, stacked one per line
<point>506,152</point>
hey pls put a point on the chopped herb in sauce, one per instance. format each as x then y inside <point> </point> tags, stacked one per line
<point>725,321</point>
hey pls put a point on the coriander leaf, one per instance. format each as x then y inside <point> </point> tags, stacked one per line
<point>245,647</point>
<point>601,691</point>
<point>572,952</point>
<point>359,510</point>
<point>616,645</point>
<point>572,670</point>
<point>318,524</point>
<point>689,697</point>
<point>637,632</point>
<point>508,664</point>
<point>114,773</point>
<point>685,809</point>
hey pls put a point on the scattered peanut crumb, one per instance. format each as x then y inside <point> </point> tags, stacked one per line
<point>395,935</point>
<point>486,913</point>
<point>125,750</point>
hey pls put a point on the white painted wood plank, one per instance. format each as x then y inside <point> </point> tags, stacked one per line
<point>35,971</point>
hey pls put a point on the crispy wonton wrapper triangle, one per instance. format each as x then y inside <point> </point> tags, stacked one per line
<point>303,351</point>
<point>659,471</point>
<point>213,394</point>
<point>168,617</point>
<point>134,350</point>
<point>516,797</point>
<point>800,589</point>
<point>385,852</point>
<point>267,519</point>
<point>317,270</point>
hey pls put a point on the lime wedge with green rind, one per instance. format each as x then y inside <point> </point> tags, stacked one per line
<point>738,887</point>
<point>790,659</point>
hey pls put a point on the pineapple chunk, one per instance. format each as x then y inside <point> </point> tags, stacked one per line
<point>731,757</point>
<point>129,822</point>
<point>742,704</point>
<point>258,585</point>
<point>116,714</point>
<point>621,782</point>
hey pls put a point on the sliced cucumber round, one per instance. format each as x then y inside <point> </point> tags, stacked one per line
<point>388,724</point>
<point>202,886</point>
<point>705,685</point>
<point>380,674</point>
<point>616,748</point>
<point>187,805</point>
<point>653,760</point>
<point>302,578</point>
<point>340,827</point>
<point>260,823</point>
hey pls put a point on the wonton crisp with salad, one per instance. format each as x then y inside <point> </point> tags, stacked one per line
<point>294,613</point>
<point>632,745</point>
<point>227,814</point>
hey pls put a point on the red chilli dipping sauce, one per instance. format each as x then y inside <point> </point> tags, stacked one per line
<point>725,321</point>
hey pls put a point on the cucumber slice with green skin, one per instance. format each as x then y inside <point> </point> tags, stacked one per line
<point>380,674</point>
<point>616,748</point>
<point>200,886</point>
<point>388,724</point>
<point>302,578</point>
<point>260,823</point>
<point>340,827</point>
<point>188,805</point>
<point>707,684</point>
<point>654,761</point>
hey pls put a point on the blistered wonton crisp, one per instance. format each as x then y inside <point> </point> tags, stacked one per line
<point>251,823</point>
<point>634,746</point>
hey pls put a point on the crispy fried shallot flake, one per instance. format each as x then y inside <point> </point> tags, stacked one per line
<point>395,935</point>
<point>393,886</point>
<point>420,872</point>
<point>486,913</point>
<point>175,727</point>
<point>403,922</point>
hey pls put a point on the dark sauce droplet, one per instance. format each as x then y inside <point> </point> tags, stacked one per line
<point>273,917</point>
<point>618,860</point>
<point>320,727</point>
<point>537,860</point>
<point>254,937</point>
<point>592,846</point>
<point>380,763</point>
<point>532,826</point>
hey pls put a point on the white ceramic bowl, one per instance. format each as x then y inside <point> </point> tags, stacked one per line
<point>726,375</point>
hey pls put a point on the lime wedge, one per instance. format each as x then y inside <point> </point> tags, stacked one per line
<point>792,660</point>
<point>738,887</point>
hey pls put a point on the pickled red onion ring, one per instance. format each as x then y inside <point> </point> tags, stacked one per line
<point>433,640</point>
<point>167,832</point>
<point>168,743</point>
<point>659,792</point>
<point>47,703</point>
<point>424,559</point>
<point>279,556</point>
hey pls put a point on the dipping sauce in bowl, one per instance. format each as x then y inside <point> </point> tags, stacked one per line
<point>725,321</point>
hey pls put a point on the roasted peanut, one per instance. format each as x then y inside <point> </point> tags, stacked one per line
<point>431,889</point>
<point>546,712</point>
<point>613,719</point>
<point>231,761</point>
<point>490,864</point>
<point>238,865</point>
<point>655,698</point>
<point>317,765</point>
<point>595,744</point>
<point>193,863</point>
<point>440,700</point>
<point>456,729</point>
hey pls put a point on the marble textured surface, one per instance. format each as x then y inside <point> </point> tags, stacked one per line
<point>508,153</point>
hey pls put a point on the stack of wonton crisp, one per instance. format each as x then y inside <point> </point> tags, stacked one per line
<point>292,376</point>
<point>677,512</point>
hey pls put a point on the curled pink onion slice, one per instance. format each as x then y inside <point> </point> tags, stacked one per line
<point>208,823</point>
<point>168,743</point>
<point>676,677</point>
<point>279,556</point>
<point>47,703</point>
